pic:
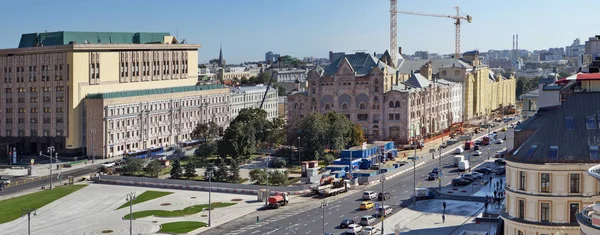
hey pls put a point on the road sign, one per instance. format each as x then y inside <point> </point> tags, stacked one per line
<point>419,184</point>
<point>376,205</point>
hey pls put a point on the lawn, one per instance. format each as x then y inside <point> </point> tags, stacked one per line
<point>145,196</point>
<point>177,213</point>
<point>181,227</point>
<point>13,208</point>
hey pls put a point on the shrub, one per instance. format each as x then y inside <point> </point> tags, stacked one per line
<point>277,163</point>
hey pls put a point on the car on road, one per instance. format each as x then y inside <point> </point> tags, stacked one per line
<point>460,182</point>
<point>108,164</point>
<point>384,196</point>
<point>4,180</point>
<point>500,171</point>
<point>354,229</point>
<point>435,170</point>
<point>366,205</point>
<point>369,195</point>
<point>367,220</point>
<point>477,175</point>
<point>432,176</point>
<point>477,153</point>
<point>484,170</point>
<point>346,222</point>
<point>468,177</point>
<point>503,129</point>
<point>458,150</point>
<point>500,161</point>
<point>478,142</point>
<point>499,141</point>
<point>370,230</point>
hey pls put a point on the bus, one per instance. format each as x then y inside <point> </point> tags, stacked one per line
<point>153,151</point>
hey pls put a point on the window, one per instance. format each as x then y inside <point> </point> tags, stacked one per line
<point>46,120</point>
<point>573,210</point>
<point>21,100</point>
<point>327,107</point>
<point>553,152</point>
<point>33,120</point>
<point>391,104</point>
<point>545,182</point>
<point>59,132</point>
<point>362,106</point>
<point>545,212</point>
<point>575,182</point>
<point>9,120</point>
<point>21,110</point>
<point>21,120</point>
<point>521,211</point>
<point>344,106</point>
<point>444,73</point>
<point>397,115</point>
<point>531,150</point>
<point>594,153</point>
<point>391,116</point>
<point>59,110</point>
<point>59,120</point>
<point>34,110</point>
<point>362,117</point>
<point>569,123</point>
<point>522,180</point>
<point>397,104</point>
<point>33,99</point>
<point>590,122</point>
<point>9,110</point>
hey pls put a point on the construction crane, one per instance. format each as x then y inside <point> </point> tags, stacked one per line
<point>458,18</point>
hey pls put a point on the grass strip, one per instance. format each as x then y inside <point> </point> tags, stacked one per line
<point>177,213</point>
<point>181,226</point>
<point>146,196</point>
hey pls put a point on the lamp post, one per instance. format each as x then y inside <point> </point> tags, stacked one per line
<point>440,168</point>
<point>382,201</point>
<point>50,150</point>
<point>28,212</point>
<point>414,159</point>
<point>93,132</point>
<point>324,205</point>
<point>130,197</point>
<point>210,175</point>
<point>299,161</point>
<point>267,183</point>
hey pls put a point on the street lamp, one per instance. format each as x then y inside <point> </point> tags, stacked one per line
<point>130,197</point>
<point>382,201</point>
<point>324,205</point>
<point>210,175</point>
<point>267,184</point>
<point>93,132</point>
<point>50,150</point>
<point>299,161</point>
<point>414,160</point>
<point>28,212</point>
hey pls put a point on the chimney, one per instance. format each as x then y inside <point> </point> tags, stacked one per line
<point>400,50</point>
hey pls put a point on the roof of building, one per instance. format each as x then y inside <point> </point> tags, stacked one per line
<point>156,91</point>
<point>406,66</point>
<point>66,37</point>
<point>256,88</point>
<point>560,133</point>
<point>362,63</point>
<point>531,94</point>
<point>418,80</point>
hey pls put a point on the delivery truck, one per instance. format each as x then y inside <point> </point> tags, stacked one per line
<point>458,158</point>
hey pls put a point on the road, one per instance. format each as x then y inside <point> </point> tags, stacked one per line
<point>310,221</point>
<point>46,181</point>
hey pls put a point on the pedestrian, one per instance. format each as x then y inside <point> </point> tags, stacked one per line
<point>500,182</point>
<point>497,184</point>
<point>444,205</point>
<point>257,219</point>
<point>443,218</point>
<point>495,193</point>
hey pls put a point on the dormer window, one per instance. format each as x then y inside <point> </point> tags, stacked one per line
<point>569,123</point>
<point>553,152</point>
<point>594,153</point>
<point>531,151</point>
<point>590,122</point>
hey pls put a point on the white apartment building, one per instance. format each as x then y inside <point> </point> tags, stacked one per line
<point>251,97</point>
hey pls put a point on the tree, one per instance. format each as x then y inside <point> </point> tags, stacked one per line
<point>338,132</point>
<point>213,61</point>
<point>239,141</point>
<point>312,132</point>
<point>205,150</point>
<point>153,168</point>
<point>244,81</point>
<point>202,66</point>
<point>176,170</point>
<point>357,136</point>
<point>277,133</point>
<point>190,171</point>
<point>327,158</point>
<point>213,130</point>
<point>257,118</point>
<point>277,163</point>
<point>278,177</point>
<point>258,176</point>
<point>200,132</point>
<point>132,165</point>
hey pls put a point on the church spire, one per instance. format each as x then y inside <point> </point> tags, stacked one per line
<point>221,55</point>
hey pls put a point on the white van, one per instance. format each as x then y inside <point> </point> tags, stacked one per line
<point>458,158</point>
<point>464,166</point>
<point>458,150</point>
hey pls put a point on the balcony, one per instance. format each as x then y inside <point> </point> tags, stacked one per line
<point>589,220</point>
<point>594,172</point>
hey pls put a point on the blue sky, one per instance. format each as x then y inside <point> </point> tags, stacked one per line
<point>249,28</point>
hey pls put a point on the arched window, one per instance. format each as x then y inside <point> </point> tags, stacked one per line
<point>375,127</point>
<point>344,106</point>
<point>327,107</point>
<point>397,104</point>
<point>301,106</point>
<point>376,81</point>
<point>391,104</point>
<point>296,106</point>
<point>362,106</point>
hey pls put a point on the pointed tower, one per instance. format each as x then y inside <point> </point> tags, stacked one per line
<point>221,55</point>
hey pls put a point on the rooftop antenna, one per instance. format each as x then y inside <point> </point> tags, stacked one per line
<point>177,34</point>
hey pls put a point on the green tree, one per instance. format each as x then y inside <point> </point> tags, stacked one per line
<point>200,132</point>
<point>327,158</point>
<point>357,136</point>
<point>239,141</point>
<point>202,66</point>
<point>338,132</point>
<point>176,170</point>
<point>258,119</point>
<point>244,81</point>
<point>219,171</point>
<point>153,168</point>
<point>213,130</point>
<point>205,150</point>
<point>132,165</point>
<point>312,131</point>
<point>277,134</point>
<point>190,170</point>
<point>234,170</point>
<point>278,178</point>
<point>258,176</point>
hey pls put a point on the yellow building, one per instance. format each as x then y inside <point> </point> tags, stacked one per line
<point>47,78</point>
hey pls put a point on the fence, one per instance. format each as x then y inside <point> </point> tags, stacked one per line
<point>200,185</point>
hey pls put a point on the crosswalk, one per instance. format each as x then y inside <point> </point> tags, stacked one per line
<point>263,223</point>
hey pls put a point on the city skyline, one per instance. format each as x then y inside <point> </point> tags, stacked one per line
<point>311,28</point>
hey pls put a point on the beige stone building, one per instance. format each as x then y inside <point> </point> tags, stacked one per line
<point>483,90</point>
<point>46,80</point>
<point>547,178</point>
<point>368,92</point>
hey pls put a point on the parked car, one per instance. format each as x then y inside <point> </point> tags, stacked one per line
<point>346,222</point>
<point>500,171</point>
<point>367,220</point>
<point>499,141</point>
<point>477,153</point>
<point>477,175</point>
<point>484,170</point>
<point>435,170</point>
<point>370,230</point>
<point>469,177</point>
<point>369,195</point>
<point>384,211</point>
<point>458,150</point>
<point>353,229</point>
<point>108,164</point>
<point>500,161</point>
<point>432,176</point>
<point>366,205</point>
<point>384,196</point>
<point>4,180</point>
<point>478,142</point>
<point>460,182</point>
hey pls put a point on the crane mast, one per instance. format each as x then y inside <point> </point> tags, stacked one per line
<point>393,32</point>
